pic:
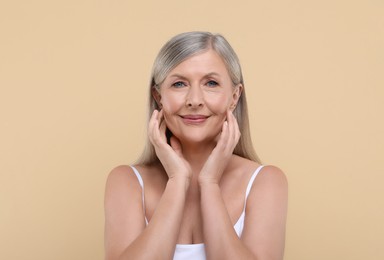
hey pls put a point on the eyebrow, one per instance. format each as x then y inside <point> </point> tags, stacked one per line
<point>205,76</point>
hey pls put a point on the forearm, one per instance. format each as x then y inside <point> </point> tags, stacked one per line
<point>220,237</point>
<point>159,238</point>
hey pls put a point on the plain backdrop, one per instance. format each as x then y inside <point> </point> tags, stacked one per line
<point>73,92</point>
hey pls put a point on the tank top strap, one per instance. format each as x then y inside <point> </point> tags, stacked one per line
<point>240,222</point>
<point>140,179</point>
<point>250,183</point>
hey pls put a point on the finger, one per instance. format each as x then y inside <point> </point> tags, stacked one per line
<point>151,125</point>
<point>160,127</point>
<point>160,116</point>
<point>231,126</point>
<point>234,127</point>
<point>154,128</point>
<point>162,130</point>
<point>223,139</point>
<point>237,129</point>
<point>235,133</point>
<point>153,117</point>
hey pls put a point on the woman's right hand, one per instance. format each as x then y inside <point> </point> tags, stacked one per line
<point>170,156</point>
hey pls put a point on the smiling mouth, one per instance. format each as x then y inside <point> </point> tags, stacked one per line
<point>194,119</point>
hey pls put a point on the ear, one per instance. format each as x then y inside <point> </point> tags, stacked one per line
<point>238,89</point>
<point>156,95</point>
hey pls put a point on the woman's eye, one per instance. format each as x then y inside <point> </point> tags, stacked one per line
<point>212,83</point>
<point>178,84</point>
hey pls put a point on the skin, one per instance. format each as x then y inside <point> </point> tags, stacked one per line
<point>200,185</point>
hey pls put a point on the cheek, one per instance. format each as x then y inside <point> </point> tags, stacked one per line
<point>219,105</point>
<point>171,102</point>
<point>170,107</point>
<point>170,110</point>
<point>219,108</point>
<point>168,115</point>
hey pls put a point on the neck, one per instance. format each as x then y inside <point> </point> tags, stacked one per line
<point>197,154</point>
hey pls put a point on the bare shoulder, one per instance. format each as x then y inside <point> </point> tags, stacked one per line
<point>122,181</point>
<point>120,171</point>
<point>267,213</point>
<point>124,213</point>
<point>121,175</point>
<point>268,175</point>
<point>153,175</point>
<point>125,172</point>
<point>270,187</point>
<point>243,165</point>
<point>272,176</point>
<point>121,186</point>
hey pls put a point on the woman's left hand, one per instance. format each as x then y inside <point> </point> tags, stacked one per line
<point>221,154</point>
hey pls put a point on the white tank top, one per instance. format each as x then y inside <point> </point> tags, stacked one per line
<point>197,251</point>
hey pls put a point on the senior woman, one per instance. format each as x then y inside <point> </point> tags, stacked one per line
<point>198,191</point>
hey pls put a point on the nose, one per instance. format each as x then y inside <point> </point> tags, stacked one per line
<point>194,97</point>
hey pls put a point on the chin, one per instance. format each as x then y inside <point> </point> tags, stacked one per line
<point>197,137</point>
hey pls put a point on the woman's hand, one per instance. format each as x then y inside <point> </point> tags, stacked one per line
<point>170,156</point>
<point>221,154</point>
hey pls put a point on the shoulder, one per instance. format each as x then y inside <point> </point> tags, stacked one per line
<point>269,180</point>
<point>120,171</point>
<point>266,212</point>
<point>269,174</point>
<point>237,174</point>
<point>121,181</point>
<point>125,172</point>
<point>123,177</point>
<point>120,174</point>
<point>241,164</point>
<point>272,176</point>
<point>123,207</point>
<point>270,185</point>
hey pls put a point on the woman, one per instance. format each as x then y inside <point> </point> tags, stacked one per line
<point>194,193</point>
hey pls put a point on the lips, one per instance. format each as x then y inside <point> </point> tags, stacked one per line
<point>194,119</point>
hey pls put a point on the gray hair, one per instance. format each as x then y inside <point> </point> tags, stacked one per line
<point>178,49</point>
<point>188,44</point>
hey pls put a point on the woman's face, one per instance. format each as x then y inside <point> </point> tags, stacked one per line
<point>195,97</point>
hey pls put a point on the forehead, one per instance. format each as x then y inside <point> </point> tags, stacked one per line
<point>208,62</point>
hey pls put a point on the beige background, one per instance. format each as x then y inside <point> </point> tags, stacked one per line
<point>73,85</point>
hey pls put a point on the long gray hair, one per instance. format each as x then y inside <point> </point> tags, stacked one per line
<point>182,47</point>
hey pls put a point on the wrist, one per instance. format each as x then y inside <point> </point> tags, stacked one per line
<point>179,181</point>
<point>203,182</point>
<point>208,188</point>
